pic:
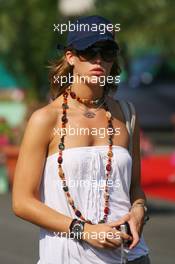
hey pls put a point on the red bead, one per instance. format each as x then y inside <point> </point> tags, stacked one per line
<point>108,167</point>
<point>78,213</point>
<point>73,95</point>
<point>60,159</point>
<point>106,210</point>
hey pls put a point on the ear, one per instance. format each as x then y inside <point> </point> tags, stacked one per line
<point>69,57</point>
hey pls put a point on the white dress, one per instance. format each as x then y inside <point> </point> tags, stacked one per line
<point>84,169</point>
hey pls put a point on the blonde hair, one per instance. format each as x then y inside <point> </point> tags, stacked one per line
<point>60,67</point>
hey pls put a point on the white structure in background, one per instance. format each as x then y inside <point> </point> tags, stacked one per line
<point>75,7</point>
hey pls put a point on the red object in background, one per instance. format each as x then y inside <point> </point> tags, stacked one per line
<point>11,155</point>
<point>4,140</point>
<point>158,176</point>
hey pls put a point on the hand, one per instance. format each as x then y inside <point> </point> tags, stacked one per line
<point>105,235</point>
<point>136,223</point>
<point>135,219</point>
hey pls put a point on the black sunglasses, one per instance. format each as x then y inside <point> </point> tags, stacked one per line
<point>107,52</point>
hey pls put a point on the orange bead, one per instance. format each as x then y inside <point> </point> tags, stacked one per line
<point>110,154</point>
<point>61,175</point>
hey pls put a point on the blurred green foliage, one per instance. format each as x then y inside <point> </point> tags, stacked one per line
<point>28,40</point>
<point>144,24</point>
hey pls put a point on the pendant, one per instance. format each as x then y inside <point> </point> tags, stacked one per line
<point>89,114</point>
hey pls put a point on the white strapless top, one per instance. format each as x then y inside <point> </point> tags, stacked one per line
<point>84,169</point>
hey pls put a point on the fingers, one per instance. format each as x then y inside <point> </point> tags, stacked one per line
<point>135,235</point>
<point>115,243</point>
<point>125,236</point>
<point>112,239</point>
<point>120,221</point>
<point>108,244</point>
<point>120,238</point>
<point>103,243</point>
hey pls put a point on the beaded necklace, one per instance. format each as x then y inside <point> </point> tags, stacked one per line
<point>61,147</point>
<point>88,113</point>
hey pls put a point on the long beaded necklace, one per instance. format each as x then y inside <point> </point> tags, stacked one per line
<point>61,147</point>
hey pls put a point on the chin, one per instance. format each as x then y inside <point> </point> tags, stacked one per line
<point>95,85</point>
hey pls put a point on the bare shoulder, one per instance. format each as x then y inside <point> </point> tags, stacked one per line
<point>43,120</point>
<point>44,116</point>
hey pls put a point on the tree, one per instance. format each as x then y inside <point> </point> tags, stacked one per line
<point>28,40</point>
<point>143,24</point>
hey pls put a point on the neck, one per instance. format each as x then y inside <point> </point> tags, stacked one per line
<point>87,91</point>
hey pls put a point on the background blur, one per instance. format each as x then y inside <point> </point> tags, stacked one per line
<point>147,39</point>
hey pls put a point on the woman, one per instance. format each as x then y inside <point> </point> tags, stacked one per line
<point>78,188</point>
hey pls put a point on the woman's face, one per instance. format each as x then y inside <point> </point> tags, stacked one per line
<point>91,64</point>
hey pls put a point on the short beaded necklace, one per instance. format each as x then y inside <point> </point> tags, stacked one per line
<point>61,147</point>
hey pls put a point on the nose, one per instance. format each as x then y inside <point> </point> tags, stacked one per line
<point>98,57</point>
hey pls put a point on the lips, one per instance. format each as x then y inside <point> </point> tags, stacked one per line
<point>97,71</point>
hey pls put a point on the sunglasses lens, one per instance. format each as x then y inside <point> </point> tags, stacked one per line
<point>107,53</point>
<point>87,54</point>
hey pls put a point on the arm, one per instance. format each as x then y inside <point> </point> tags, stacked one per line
<point>136,193</point>
<point>25,194</point>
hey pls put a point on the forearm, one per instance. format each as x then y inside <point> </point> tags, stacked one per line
<point>40,214</point>
<point>137,195</point>
<point>139,205</point>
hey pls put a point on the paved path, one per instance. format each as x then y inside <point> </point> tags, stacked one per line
<point>19,239</point>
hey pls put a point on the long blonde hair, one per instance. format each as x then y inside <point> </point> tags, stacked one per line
<point>60,67</point>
